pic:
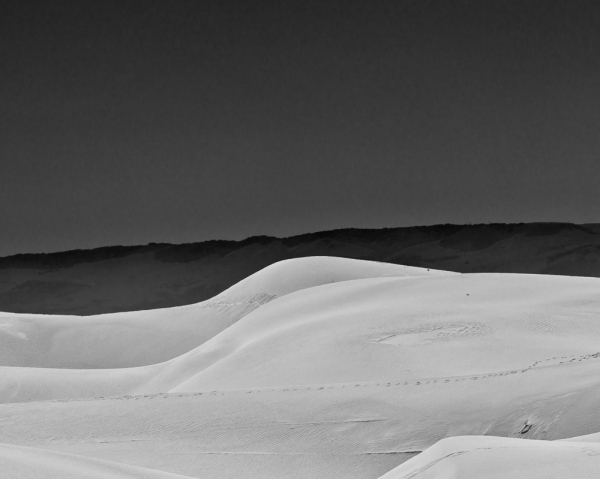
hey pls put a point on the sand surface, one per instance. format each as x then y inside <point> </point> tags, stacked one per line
<point>311,368</point>
<point>500,458</point>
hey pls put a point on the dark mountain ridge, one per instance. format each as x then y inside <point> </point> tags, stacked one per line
<point>125,278</point>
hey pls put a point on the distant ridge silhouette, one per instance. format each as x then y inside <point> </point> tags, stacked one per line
<point>127,278</point>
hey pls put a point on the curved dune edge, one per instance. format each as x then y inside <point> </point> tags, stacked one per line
<point>359,430</point>
<point>382,329</point>
<point>395,375</point>
<point>141,338</point>
<point>386,328</point>
<point>482,457</point>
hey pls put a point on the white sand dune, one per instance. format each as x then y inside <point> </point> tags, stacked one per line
<point>328,368</point>
<point>363,330</point>
<point>355,430</point>
<point>147,337</point>
<point>388,328</point>
<point>477,457</point>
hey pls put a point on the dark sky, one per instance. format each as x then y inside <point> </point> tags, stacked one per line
<point>128,122</point>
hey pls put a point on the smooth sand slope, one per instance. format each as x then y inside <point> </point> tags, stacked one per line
<point>362,330</point>
<point>476,457</point>
<point>146,337</point>
<point>93,345</point>
<point>353,430</point>
<point>345,369</point>
<point>388,328</point>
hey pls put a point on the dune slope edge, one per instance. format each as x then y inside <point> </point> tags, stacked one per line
<point>318,367</point>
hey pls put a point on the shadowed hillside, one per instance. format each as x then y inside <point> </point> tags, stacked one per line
<point>127,278</point>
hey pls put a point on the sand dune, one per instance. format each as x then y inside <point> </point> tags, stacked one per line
<point>96,344</point>
<point>319,367</point>
<point>476,457</point>
<point>146,337</point>
<point>354,430</point>
<point>362,330</point>
<point>380,328</point>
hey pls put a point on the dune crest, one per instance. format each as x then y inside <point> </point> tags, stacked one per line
<point>480,457</point>
<point>314,367</point>
<point>140,338</point>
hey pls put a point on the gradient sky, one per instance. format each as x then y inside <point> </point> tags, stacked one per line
<point>128,122</point>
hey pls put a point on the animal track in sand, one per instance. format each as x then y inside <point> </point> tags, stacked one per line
<point>563,359</point>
